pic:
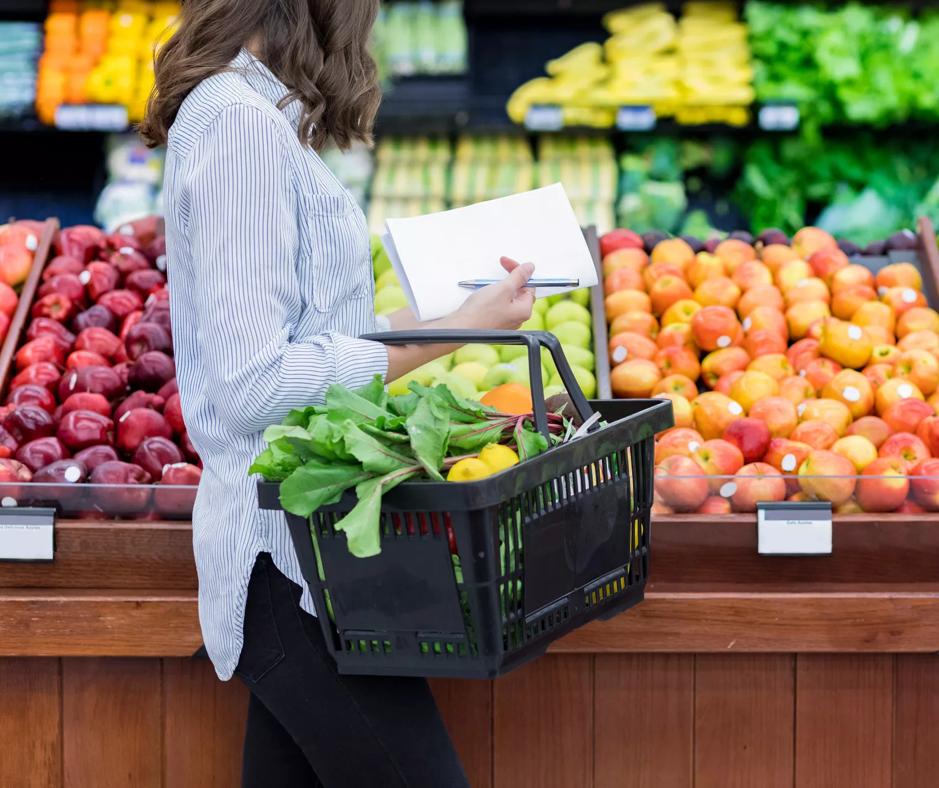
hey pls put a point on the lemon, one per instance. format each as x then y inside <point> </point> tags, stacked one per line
<point>497,457</point>
<point>469,470</point>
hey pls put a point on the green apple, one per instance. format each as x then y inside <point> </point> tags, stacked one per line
<point>501,374</point>
<point>486,355</point>
<point>521,364</point>
<point>389,300</point>
<point>581,296</point>
<point>576,334</point>
<point>511,352</point>
<point>541,306</point>
<point>426,375</point>
<point>556,299</point>
<point>387,279</point>
<point>459,385</point>
<point>551,391</point>
<point>567,312</point>
<point>472,371</point>
<point>585,379</point>
<point>579,356</point>
<point>380,263</point>
<point>534,323</point>
<point>447,361</point>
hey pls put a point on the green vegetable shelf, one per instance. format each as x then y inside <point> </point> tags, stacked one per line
<point>472,580</point>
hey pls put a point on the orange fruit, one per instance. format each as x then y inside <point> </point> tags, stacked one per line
<point>511,398</point>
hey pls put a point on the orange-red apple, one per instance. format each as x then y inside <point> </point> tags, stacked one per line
<point>817,434</point>
<point>680,312</point>
<point>716,327</point>
<point>802,315</point>
<point>757,483</point>
<point>752,274</point>
<point>846,302</point>
<point>899,275</point>
<point>751,387</point>
<point>629,345</point>
<point>919,318</point>
<point>851,276</point>
<point>749,435</point>
<point>809,240</point>
<point>638,321</point>
<point>894,390</point>
<point>678,361</point>
<point>905,415</point>
<point>634,379</point>
<point>796,389</point>
<point>827,476</point>
<point>778,413</point>
<point>810,289</point>
<point>919,367</point>
<point>820,372</point>
<point>676,384</point>
<point>871,427</point>
<point>904,446</point>
<point>833,411</point>
<point>827,262</point>
<point>776,365</point>
<point>676,441</point>
<point>766,296</point>
<point>713,412</point>
<point>856,448</point>
<point>853,389</point>
<point>924,484</point>
<point>717,292</point>
<point>680,484</point>
<point>883,486</point>
<point>718,363</point>
<point>668,290</point>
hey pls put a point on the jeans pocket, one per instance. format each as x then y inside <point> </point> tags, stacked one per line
<point>263,648</point>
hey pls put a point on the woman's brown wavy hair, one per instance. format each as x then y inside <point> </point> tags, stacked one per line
<point>317,48</point>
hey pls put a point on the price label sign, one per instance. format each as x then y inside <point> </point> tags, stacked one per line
<point>91,117</point>
<point>778,117</point>
<point>635,118</point>
<point>27,534</point>
<point>544,117</point>
<point>791,528</point>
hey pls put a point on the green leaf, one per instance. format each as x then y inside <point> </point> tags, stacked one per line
<point>361,525</point>
<point>375,392</point>
<point>472,438</point>
<point>429,430</point>
<point>301,417</point>
<point>376,457</point>
<point>345,405</point>
<point>463,410</point>
<point>329,440</point>
<point>318,484</point>
<point>529,443</point>
<point>276,462</point>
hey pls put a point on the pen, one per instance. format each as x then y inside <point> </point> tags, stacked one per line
<point>477,284</point>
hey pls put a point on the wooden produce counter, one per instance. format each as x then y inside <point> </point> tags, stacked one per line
<point>737,670</point>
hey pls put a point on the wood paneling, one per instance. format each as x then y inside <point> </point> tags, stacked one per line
<point>112,733</point>
<point>543,729</point>
<point>30,723</point>
<point>98,623</point>
<point>203,725</point>
<point>707,552</point>
<point>916,721</point>
<point>743,721</point>
<point>466,707</point>
<point>768,623</point>
<point>844,721</point>
<point>643,712</point>
<point>111,555</point>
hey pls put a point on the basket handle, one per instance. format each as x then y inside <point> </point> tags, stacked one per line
<point>533,340</point>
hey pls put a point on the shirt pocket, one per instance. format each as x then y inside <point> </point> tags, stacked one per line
<point>340,252</point>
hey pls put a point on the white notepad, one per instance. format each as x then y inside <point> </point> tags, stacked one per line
<point>431,254</point>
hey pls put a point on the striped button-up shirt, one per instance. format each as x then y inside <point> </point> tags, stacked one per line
<point>271,280</point>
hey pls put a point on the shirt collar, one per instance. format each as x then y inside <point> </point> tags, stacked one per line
<point>265,82</point>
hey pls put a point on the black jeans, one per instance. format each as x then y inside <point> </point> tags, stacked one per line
<point>310,726</point>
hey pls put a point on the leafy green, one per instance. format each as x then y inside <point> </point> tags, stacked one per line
<point>369,442</point>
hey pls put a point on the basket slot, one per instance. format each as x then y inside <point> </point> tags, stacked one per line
<point>545,622</point>
<point>442,646</point>
<point>613,585</point>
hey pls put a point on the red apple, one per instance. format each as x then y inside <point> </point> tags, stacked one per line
<point>756,483</point>
<point>883,486</point>
<point>751,436</point>
<point>680,484</point>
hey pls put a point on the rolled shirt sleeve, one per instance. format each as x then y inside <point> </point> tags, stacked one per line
<point>244,240</point>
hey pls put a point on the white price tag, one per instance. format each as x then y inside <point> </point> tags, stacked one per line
<point>635,118</point>
<point>27,534</point>
<point>778,117</point>
<point>544,117</point>
<point>91,117</point>
<point>794,528</point>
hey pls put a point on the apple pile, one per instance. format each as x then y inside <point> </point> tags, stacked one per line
<point>800,374</point>
<point>93,395</point>
<point>475,370</point>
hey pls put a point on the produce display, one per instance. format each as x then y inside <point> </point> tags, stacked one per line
<point>417,175</point>
<point>499,375</point>
<point>696,69</point>
<point>371,442</point>
<point>101,53</point>
<point>421,38</point>
<point>93,396</point>
<point>135,182</point>
<point>20,44</point>
<point>779,357</point>
<point>855,63</point>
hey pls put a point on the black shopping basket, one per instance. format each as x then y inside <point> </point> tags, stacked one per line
<point>475,579</point>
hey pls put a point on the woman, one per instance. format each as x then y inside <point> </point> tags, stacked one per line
<point>270,270</point>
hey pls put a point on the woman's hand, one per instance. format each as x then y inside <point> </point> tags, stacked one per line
<point>503,306</point>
